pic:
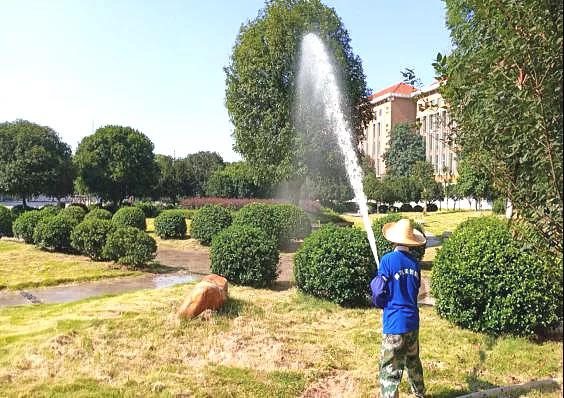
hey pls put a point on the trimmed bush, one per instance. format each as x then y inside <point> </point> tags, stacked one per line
<point>336,264</point>
<point>209,221</point>
<point>261,216</point>
<point>245,255</point>
<point>170,225</point>
<point>406,207</point>
<point>89,237</point>
<point>25,224</point>
<point>74,211</point>
<point>487,281</point>
<point>383,209</point>
<point>149,209</point>
<point>384,246</point>
<point>498,206</point>
<point>432,207</point>
<point>81,205</point>
<point>53,233</point>
<point>129,246</point>
<point>50,210</point>
<point>418,208</point>
<point>130,217</point>
<point>18,210</point>
<point>5,221</point>
<point>98,214</point>
<point>294,222</point>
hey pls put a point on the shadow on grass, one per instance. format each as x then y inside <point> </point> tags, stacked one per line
<point>156,268</point>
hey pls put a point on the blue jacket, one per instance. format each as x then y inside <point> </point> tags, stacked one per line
<point>395,289</point>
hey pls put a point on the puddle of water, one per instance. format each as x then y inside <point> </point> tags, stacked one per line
<point>64,294</point>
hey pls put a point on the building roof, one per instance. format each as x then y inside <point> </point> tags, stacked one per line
<point>398,88</point>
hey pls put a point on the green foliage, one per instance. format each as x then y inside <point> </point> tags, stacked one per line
<point>50,210</point>
<point>473,181</point>
<point>20,209</point>
<point>405,208</point>
<point>208,222</point>
<point>487,281</point>
<point>116,162</point>
<point>98,214</point>
<point>295,223</point>
<point>24,225</point>
<point>89,237</point>
<point>236,180</point>
<point>405,148</point>
<point>245,255</point>
<point>129,246</point>
<point>335,264</point>
<point>423,175</point>
<point>504,85</point>
<point>75,212</point>
<point>261,80</point>
<point>405,189</point>
<point>498,206</point>
<point>174,179</point>
<point>53,233</point>
<point>170,224</point>
<point>385,246</point>
<point>149,209</point>
<point>199,167</point>
<point>5,221</point>
<point>262,216</point>
<point>130,217</point>
<point>33,161</point>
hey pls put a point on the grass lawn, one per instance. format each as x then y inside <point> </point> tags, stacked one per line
<point>264,343</point>
<point>436,222</point>
<point>24,266</point>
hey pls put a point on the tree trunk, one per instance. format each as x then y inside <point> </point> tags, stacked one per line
<point>24,202</point>
<point>424,207</point>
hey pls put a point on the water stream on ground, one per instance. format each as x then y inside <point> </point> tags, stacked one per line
<point>316,73</point>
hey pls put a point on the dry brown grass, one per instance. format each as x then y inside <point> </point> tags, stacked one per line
<point>263,343</point>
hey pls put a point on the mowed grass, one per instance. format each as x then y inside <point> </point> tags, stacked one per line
<point>436,223</point>
<point>263,343</point>
<point>24,266</point>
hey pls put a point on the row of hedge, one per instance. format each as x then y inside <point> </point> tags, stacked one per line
<point>404,208</point>
<point>97,234</point>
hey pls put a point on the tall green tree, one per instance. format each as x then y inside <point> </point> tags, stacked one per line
<point>405,148</point>
<point>236,180</point>
<point>116,162</point>
<point>423,174</point>
<point>504,83</point>
<point>473,180</point>
<point>33,161</point>
<point>173,178</point>
<point>199,167</point>
<point>261,83</point>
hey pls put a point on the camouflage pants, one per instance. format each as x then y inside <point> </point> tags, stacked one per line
<point>399,351</point>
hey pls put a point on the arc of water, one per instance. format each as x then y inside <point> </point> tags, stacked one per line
<point>315,63</point>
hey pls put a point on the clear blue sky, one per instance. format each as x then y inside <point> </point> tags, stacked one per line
<point>75,65</point>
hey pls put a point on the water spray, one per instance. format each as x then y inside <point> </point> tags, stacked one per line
<point>316,71</point>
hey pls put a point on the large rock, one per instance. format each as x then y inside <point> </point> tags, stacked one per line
<point>208,294</point>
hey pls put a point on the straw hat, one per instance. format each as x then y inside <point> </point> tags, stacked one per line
<point>402,233</point>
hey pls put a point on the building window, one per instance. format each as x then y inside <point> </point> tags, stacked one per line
<point>380,113</point>
<point>424,124</point>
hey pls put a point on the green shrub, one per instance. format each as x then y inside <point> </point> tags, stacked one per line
<point>74,211</point>
<point>18,210</point>
<point>130,217</point>
<point>261,216</point>
<point>385,246</point>
<point>149,209</point>
<point>432,207</point>
<point>294,222</point>
<point>25,224</point>
<point>336,264</point>
<point>406,207</point>
<point>5,221</point>
<point>81,205</point>
<point>50,210</point>
<point>418,208</point>
<point>498,206</point>
<point>89,237</point>
<point>209,221</point>
<point>98,214</point>
<point>170,225</point>
<point>53,233</point>
<point>129,246</point>
<point>487,281</point>
<point>245,255</point>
